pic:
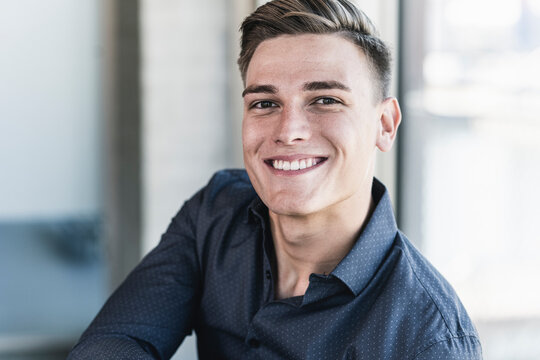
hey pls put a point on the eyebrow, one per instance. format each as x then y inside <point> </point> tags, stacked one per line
<point>309,86</point>
<point>325,85</point>
<point>266,89</point>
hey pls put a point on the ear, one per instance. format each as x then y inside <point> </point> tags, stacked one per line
<point>390,119</point>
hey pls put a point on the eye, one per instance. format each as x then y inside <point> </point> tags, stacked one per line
<point>327,101</point>
<point>264,104</point>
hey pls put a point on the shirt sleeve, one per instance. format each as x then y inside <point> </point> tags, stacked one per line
<point>152,311</point>
<point>456,348</point>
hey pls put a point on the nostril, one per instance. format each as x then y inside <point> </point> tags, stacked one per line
<point>292,128</point>
<point>284,140</point>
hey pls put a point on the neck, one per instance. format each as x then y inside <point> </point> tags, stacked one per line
<point>315,243</point>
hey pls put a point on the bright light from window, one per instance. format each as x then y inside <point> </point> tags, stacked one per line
<point>472,162</point>
<point>483,14</point>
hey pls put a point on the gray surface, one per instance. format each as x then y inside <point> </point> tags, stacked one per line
<point>50,288</point>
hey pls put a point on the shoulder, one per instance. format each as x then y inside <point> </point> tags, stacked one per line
<point>438,290</point>
<point>227,184</point>
<point>451,329</point>
<point>222,203</point>
<point>227,189</point>
<point>452,348</point>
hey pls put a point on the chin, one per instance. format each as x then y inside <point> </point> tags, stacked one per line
<point>292,207</point>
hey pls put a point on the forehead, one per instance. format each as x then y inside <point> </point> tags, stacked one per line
<point>308,57</point>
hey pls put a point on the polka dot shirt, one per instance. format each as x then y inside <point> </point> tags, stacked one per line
<point>213,273</point>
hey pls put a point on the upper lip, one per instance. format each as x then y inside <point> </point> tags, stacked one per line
<point>294,157</point>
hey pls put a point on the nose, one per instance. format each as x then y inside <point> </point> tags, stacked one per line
<point>292,126</point>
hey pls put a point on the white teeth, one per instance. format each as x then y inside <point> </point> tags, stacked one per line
<point>294,165</point>
<point>286,165</point>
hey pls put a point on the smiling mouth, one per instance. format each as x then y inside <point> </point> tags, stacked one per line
<point>295,165</point>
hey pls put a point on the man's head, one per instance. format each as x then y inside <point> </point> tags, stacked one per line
<point>296,17</point>
<point>314,109</point>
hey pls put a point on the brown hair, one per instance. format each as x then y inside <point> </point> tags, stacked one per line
<point>295,17</point>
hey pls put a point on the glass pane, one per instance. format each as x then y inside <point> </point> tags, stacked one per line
<point>52,269</point>
<point>472,160</point>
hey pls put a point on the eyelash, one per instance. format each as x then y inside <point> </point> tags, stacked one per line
<point>319,101</point>
<point>333,101</point>
<point>258,104</point>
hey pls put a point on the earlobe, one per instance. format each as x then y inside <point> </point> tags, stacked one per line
<point>390,120</point>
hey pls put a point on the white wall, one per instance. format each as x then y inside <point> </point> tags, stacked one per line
<point>185,112</point>
<point>49,109</point>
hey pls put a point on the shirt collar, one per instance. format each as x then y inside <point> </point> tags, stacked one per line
<point>361,263</point>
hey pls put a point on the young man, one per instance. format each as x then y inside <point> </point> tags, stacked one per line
<point>301,257</point>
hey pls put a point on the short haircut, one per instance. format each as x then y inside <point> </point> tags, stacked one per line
<point>296,17</point>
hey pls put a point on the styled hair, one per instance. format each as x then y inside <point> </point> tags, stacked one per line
<point>296,17</point>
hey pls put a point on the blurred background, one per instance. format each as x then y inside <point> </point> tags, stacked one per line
<point>114,112</point>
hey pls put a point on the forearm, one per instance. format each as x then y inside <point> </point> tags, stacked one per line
<point>113,347</point>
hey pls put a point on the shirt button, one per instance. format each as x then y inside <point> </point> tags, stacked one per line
<point>268,275</point>
<point>254,343</point>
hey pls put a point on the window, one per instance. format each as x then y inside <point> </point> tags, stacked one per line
<point>471,158</point>
<point>53,275</point>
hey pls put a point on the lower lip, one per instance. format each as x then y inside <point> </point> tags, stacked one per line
<point>294,172</point>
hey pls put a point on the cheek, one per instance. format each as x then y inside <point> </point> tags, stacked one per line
<point>342,135</point>
<point>253,135</point>
<point>354,142</point>
<point>248,135</point>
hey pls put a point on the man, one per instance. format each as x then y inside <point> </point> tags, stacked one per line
<point>301,257</point>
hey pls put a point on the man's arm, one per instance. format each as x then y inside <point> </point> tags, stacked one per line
<point>456,348</point>
<point>110,347</point>
<point>149,315</point>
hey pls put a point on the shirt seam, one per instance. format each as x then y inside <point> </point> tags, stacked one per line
<point>194,226</point>
<point>193,221</point>
<point>453,335</point>
<point>446,339</point>
<point>428,293</point>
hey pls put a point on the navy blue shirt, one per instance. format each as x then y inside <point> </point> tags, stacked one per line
<point>214,272</point>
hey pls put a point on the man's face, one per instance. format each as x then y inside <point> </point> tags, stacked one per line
<point>311,123</point>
